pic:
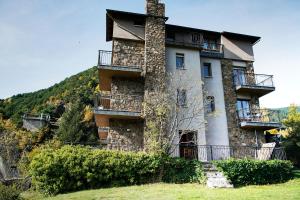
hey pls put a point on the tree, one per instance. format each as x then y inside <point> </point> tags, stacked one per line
<point>71,128</point>
<point>180,106</point>
<point>292,139</point>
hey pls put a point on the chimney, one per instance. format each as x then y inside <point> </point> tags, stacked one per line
<point>155,8</point>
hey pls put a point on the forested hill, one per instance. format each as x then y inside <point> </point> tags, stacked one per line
<point>80,87</point>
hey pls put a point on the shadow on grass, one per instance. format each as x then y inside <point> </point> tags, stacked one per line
<point>296,173</point>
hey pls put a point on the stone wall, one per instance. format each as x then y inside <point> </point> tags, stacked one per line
<point>155,58</point>
<point>127,94</point>
<point>237,136</point>
<point>128,53</point>
<point>125,135</point>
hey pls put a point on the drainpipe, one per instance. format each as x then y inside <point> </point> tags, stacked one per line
<point>256,144</point>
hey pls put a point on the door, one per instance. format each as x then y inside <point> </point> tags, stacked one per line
<point>239,76</point>
<point>188,145</point>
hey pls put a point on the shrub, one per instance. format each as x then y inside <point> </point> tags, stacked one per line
<point>9,192</point>
<point>73,168</point>
<point>255,172</point>
<point>179,170</point>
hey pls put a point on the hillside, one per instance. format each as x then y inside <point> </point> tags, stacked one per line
<point>81,86</point>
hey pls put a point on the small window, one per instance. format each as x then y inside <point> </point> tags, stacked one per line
<point>210,105</point>
<point>196,38</point>
<point>139,23</point>
<point>181,98</point>
<point>179,61</point>
<point>207,72</point>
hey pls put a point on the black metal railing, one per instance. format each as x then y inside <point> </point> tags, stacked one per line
<point>124,103</point>
<point>219,152</point>
<point>120,59</point>
<point>259,115</point>
<point>250,79</point>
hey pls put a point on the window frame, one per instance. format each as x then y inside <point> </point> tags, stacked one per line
<point>207,64</point>
<point>211,105</point>
<point>180,55</point>
<point>182,97</point>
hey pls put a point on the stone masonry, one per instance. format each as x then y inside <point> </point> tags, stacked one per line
<point>127,93</point>
<point>125,135</point>
<point>128,53</point>
<point>237,136</point>
<point>155,56</point>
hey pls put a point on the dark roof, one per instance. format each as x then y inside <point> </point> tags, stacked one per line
<point>184,28</point>
<point>110,14</point>
<point>238,36</point>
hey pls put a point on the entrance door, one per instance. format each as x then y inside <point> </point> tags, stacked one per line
<point>239,76</point>
<point>188,145</point>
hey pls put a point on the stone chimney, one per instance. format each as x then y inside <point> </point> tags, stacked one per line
<point>155,60</point>
<point>155,8</point>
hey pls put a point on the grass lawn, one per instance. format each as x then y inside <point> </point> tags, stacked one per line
<point>288,190</point>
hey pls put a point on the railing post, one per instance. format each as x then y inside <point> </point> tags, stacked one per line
<point>99,57</point>
<point>211,152</point>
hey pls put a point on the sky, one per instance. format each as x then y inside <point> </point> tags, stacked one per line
<point>44,41</point>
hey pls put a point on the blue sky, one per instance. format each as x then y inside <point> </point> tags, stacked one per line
<point>44,41</point>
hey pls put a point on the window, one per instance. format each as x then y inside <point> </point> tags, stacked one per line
<point>207,72</point>
<point>196,38</point>
<point>243,108</point>
<point>210,106</point>
<point>139,23</point>
<point>181,98</point>
<point>179,61</point>
<point>170,36</point>
<point>239,77</point>
<point>209,44</point>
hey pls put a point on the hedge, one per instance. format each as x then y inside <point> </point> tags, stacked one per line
<point>73,168</point>
<point>255,172</point>
<point>9,192</point>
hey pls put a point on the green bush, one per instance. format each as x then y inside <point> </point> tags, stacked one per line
<point>179,170</point>
<point>9,192</point>
<point>255,172</point>
<point>73,168</point>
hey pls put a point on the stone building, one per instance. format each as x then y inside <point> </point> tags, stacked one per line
<point>215,67</point>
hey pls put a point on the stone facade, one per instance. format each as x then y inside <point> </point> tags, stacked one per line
<point>125,135</point>
<point>237,136</point>
<point>127,94</point>
<point>155,58</point>
<point>128,53</point>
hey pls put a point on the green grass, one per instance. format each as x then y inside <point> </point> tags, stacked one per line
<point>289,190</point>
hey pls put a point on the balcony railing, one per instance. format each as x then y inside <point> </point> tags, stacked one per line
<point>213,47</point>
<point>259,115</point>
<point>204,46</point>
<point>120,59</point>
<point>42,117</point>
<point>119,103</point>
<point>220,152</point>
<point>256,80</point>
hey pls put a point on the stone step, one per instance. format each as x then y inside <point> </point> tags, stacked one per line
<point>218,183</point>
<point>214,175</point>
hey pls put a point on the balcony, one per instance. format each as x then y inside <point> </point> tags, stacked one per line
<point>119,106</point>
<point>260,119</point>
<point>120,63</point>
<point>257,84</point>
<point>213,50</point>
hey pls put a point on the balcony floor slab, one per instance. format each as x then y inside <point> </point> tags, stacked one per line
<point>260,125</point>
